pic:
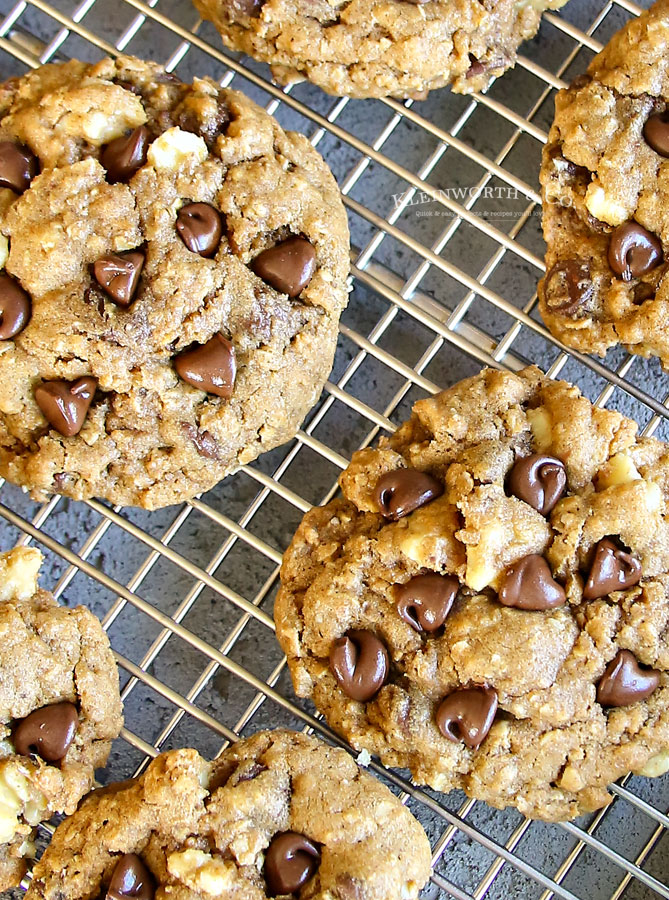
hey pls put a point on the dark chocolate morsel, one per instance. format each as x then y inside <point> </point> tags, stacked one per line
<point>47,732</point>
<point>123,156</point>
<point>656,133</point>
<point>425,600</point>
<point>529,584</point>
<point>211,367</point>
<point>288,267</point>
<point>65,404</point>
<point>633,251</point>
<point>401,491</point>
<point>359,663</point>
<point>290,861</point>
<point>625,682</point>
<point>538,480</point>
<point>15,307</point>
<point>118,275</point>
<point>612,569</point>
<point>467,715</point>
<point>567,286</point>
<point>18,166</point>
<point>200,228</point>
<point>131,878</point>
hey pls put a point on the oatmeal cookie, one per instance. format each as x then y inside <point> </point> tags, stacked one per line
<point>488,603</point>
<point>59,707</point>
<point>605,187</point>
<point>380,48</point>
<point>173,269</point>
<point>277,814</point>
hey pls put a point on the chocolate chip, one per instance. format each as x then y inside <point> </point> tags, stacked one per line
<point>118,275</point>
<point>290,861</point>
<point>47,732</point>
<point>65,404</point>
<point>359,663</point>
<point>209,128</point>
<point>567,286</point>
<point>288,267</point>
<point>425,600</point>
<point>348,888</point>
<point>642,292</point>
<point>538,480</point>
<point>131,878</point>
<point>579,82</point>
<point>125,155</point>
<point>15,307</point>
<point>211,367</point>
<point>200,228</point>
<point>249,773</point>
<point>467,715</point>
<point>529,584</point>
<point>633,251</point>
<point>242,9</point>
<point>204,441</point>
<point>612,569</point>
<point>401,491</point>
<point>18,166</point>
<point>656,133</point>
<point>476,67</point>
<point>625,682</point>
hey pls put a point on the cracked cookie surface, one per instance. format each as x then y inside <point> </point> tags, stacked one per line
<point>59,707</point>
<point>516,499</point>
<point>221,829</point>
<point>173,269</point>
<point>379,48</point>
<point>605,180</point>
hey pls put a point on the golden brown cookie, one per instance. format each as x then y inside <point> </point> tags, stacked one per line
<point>379,48</point>
<point>487,604</point>
<point>59,707</point>
<point>605,183</point>
<point>276,814</point>
<point>173,269</point>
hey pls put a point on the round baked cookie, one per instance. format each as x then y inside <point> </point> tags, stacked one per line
<point>59,707</point>
<point>277,814</point>
<point>487,605</point>
<point>380,48</point>
<point>605,183</point>
<point>174,267</point>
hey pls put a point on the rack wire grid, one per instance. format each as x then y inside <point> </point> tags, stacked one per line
<point>443,201</point>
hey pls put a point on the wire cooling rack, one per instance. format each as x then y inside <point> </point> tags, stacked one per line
<point>443,201</point>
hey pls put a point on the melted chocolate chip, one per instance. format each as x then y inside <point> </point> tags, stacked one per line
<point>47,732</point>
<point>633,251</point>
<point>538,480</point>
<point>625,682</point>
<point>18,166</point>
<point>65,404</point>
<point>211,367</point>
<point>656,133</point>
<point>425,600</point>
<point>131,878</point>
<point>15,307</point>
<point>288,267</point>
<point>476,67</point>
<point>359,663</point>
<point>290,861</point>
<point>118,275</point>
<point>612,569</point>
<point>204,441</point>
<point>242,9</point>
<point>579,82</point>
<point>209,128</point>
<point>567,286</point>
<point>123,156</point>
<point>467,715</point>
<point>200,228</point>
<point>401,491</point>
<point>529,584</point>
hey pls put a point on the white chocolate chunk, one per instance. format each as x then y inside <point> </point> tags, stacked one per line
<point>480,568</point>
<point>4,250</point>
<point>657,765</point>
<point>17,798</point>
<point>603,207</point>
<point>201,872</point>
<point>176,148</point>
<point>101,121</point>
<point>18,573</point>
<point>618,470</point>
<point>540,423</point>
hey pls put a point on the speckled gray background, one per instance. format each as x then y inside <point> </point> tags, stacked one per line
<point>245,566</point>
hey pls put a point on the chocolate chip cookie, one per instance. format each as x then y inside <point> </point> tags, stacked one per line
<point>379,48</point>
<point>604,180</point>
<point>487,604</point>
<point>59,707</point>
<point>173,269</point>
<point>277,814</point>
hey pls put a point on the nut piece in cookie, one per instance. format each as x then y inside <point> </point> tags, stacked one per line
<point>486,604</point>
<point>276,814</point>
<point>604,191</point>
<point>61,709</point>
<point>168,311</point>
